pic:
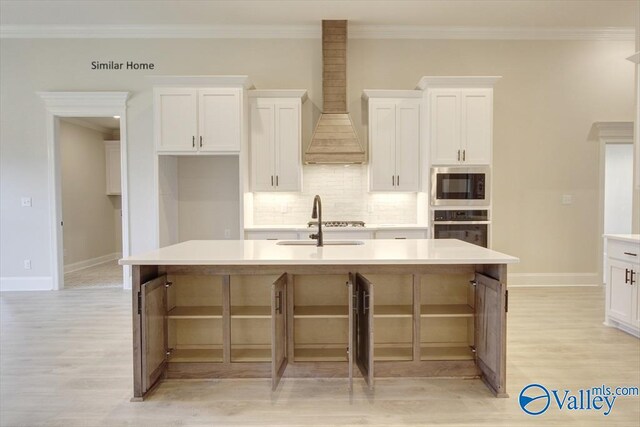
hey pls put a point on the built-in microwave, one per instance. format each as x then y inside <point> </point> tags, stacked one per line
<point>460,186</point>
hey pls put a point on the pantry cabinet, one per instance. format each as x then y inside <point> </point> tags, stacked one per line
<point>275,140</point>
<point>198,120</point>
<point>394,140</point>
<point>459,119</point>
<point>622,294</point>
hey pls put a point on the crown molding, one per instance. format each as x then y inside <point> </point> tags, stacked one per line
<point>311,32</point>
<point>614,130</point>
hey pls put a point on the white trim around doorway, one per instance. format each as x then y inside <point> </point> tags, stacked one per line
<point>81,104</point>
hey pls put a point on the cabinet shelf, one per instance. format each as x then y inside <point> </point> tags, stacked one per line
<point>446,310</point>
<point>195,312</point>
<point>393,311</point>
<point>336,354</point>
<point>196,355</point>
<point>393,353</point>
<point>446,352</point>
<point>320,311</point>
<point>251,312</point>
<point>251,354</point>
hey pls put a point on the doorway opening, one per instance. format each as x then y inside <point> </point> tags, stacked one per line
<point>91,201</point>
<point>74,120</point>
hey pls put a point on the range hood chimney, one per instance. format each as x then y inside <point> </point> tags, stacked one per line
<point>334,139</point>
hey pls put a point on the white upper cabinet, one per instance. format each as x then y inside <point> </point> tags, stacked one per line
<point>460,126</point>
<point>394,141</point>
<point>276,140</point>
<point>460,119</point>
<point>192,120</point>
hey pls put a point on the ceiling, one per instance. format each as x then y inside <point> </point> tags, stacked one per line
<point>429,13</point>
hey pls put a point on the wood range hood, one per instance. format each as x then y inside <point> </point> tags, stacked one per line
<point>334,139</point>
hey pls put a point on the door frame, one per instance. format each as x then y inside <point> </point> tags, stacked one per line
<point>81,104</point>
<point>607,133</point>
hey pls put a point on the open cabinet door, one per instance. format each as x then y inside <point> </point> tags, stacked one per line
<point>490,332</point>
<point>352,325</point>
<point>364,328</point>
<point>278,330</point>
<point>153,330</point>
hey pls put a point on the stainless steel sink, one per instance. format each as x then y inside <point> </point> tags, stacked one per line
<point>313,242</point>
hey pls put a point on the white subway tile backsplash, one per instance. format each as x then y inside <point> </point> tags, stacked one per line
<point>345,196</point>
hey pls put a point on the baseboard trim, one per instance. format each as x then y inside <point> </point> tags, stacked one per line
<point>44,283</point>
<point>81,265</point>
<point>554,279</point>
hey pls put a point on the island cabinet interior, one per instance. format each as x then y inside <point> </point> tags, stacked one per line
<point>210,322</point>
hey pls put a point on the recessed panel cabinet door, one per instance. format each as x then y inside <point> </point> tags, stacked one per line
<point>262,147</point>
<point>176,123</point>
<point>490,332</point>
<point>382,168</point>
<point>364,328</point>
<point>477,127</point>
<point>219,120</point>
<point>620,291</point>
<point>278,330</point>
<point>444,120</point>
<point>287,147</point>
<point>408,145</point>
<point>153,330</point>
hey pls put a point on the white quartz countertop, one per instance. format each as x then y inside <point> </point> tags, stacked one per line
<point>371,252</point>
<point>633,238</point>
<point>367,227</point>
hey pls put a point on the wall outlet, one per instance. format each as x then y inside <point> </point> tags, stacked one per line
<point>567,199</point>
<point>227,233</point>
<point>25,202</point>
<point>27,264</point>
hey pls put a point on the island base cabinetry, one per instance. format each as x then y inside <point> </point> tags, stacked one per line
<point>319,321</point>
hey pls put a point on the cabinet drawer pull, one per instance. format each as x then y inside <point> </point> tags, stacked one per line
<point>393,180</point>
<point>458,155</point>
<point>201,141</point>
<point>398,179</point>
<point>272,180</point>
<point>630,254</point>
<point>464,155</point>
<point>277,181</point>
<point>193,141</point>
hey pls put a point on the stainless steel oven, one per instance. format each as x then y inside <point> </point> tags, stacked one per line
<point>460,186</point>
<point>468,225</point>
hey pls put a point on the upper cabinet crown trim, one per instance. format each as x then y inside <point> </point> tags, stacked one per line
<point>428,82</point>
<point>385,93</point>
<point>202,81</point>
<point>279,93</point>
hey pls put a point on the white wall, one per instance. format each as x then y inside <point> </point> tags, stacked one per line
<point>351,202</point>
<point>550,95</point>
<point>90,228</point>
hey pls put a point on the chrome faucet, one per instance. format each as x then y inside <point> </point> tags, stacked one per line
<point>317,214</point>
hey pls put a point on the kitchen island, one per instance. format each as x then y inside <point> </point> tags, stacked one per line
<point>383,308</point>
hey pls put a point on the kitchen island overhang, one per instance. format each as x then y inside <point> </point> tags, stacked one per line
<point>447,298</point>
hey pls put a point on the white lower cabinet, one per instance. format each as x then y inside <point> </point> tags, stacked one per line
<point>623,295</point>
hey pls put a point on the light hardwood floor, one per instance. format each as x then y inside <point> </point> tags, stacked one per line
<point>66,361</point>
